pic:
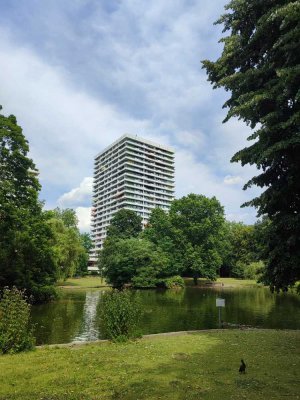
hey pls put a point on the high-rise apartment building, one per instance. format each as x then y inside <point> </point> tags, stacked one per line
<point>131,173</point>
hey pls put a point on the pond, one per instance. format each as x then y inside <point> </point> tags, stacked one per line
<point>74,316</point>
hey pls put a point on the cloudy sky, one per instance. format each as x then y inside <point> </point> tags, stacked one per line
<point>80,73</point>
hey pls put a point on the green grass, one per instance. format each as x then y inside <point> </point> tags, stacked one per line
<point>96,282</point>
<point>191,366</point>
<point>84,282</point>
<point>237,282</point>
<point>227,282</point>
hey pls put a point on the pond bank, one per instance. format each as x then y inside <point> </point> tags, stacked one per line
<point>179,366</point>
<point>74,316</point>
<point>94,282</point>
<point>145,337</point>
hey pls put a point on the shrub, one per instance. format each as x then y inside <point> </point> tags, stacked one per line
<point>172,282</point>
<point>43,294</point>
<point>146,278</point>
<point>253,270</point>
<point>120,314</point>
<point>15,331</point>
<point>238,270</point>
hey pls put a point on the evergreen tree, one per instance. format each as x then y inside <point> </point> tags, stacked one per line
<point>259,66</point>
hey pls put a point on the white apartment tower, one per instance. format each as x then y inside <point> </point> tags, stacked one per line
<point>131,173</point>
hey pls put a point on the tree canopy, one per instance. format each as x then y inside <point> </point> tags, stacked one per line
<point>259,67</point>
<point>125,224</point>
<point>132,260</point>
<point>67,245</point>
<point>199,223</point>
<point>192,235</point>
<point>26,258</point>
<point>36,247</point>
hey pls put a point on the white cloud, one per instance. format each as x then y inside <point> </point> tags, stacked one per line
<point>65,127</point>
<point>233,180</point>
<point>84,218</point>
<point>192,176</point>
<point>137,70</point>
<point>79,195</point>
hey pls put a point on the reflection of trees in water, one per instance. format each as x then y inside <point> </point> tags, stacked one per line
<point>289,318</point>
<point>74,316</point>
<point>58,321</point>
<point>89,329</point>
<point>196,309</point>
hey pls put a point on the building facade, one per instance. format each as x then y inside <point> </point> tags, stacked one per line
<point>131,173</point>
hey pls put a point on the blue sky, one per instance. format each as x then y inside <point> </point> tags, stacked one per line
<point>80,73</point>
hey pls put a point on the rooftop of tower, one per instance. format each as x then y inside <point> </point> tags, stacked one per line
<point>138,138</point>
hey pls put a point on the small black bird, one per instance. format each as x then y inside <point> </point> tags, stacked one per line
<point>242,369</point>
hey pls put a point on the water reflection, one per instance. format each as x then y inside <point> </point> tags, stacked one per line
<point>89,328</point>
<point>74,316</point>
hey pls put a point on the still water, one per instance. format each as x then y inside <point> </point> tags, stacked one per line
<point>74,316</point>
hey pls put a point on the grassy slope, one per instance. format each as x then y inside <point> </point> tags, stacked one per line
<point>191,366</point>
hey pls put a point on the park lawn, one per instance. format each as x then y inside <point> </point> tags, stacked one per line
<point>227,282</point>
<point>232,282</point>
<point>189,366</point>
<point>83,282</point>
<point>89,282</point>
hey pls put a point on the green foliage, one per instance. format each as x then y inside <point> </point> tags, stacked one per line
<point>43,293</point>
<point>87,244</point>
<point>254,270</point>
<point>19,185</point>
<point>240,250</point>
<point>120,312</point>
<point>125,224</point>
<point>198,224</point>
<point>67,216</point>
<point>125,259</point>
<point>164,236</point>
<point>173,282</point>
<point>26,257</point>
<point>15,331</point>
<point>191,235</point>
<point>259,67</point>
<point>146,278</point>
<point>66,242</point>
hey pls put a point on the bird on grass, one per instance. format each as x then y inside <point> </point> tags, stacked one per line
<point>242,369</point>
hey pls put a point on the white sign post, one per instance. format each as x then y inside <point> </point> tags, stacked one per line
<point>220,303</point>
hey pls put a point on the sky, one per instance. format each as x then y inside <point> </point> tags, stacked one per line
<point>78,74</point>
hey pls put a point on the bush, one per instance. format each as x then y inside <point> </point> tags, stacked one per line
<point>253,270</point>
<point>15,331</point>
<point>146,278</point>
<point>43,294</point>
<point>172,282</point>
<point>120,315</point>
<point>238,270</point>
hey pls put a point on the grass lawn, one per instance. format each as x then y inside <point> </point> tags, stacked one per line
<point>238,282</point>
<point>190,366</point>
<point>227,282</point>
<point>84,282</point>
<point>96,282</point>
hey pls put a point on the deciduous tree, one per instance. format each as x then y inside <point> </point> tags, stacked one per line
<point>125,224</point>
<point>26,257</point>
<point>125,259</point>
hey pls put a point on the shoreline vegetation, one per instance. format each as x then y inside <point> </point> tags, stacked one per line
<point>175,366</point>
<point>95,282</point>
